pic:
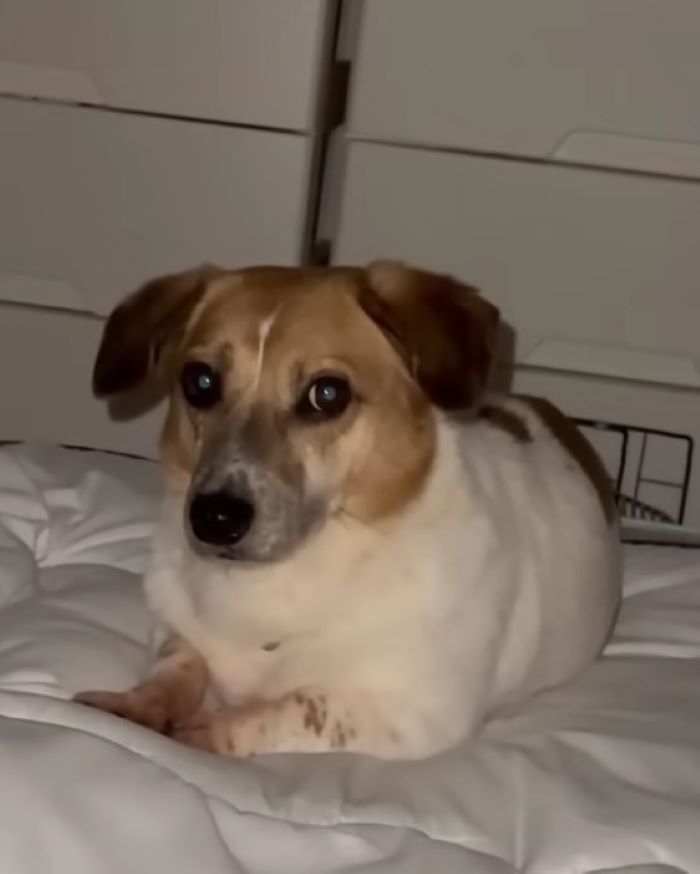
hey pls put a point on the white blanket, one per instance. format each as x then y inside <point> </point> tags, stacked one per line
<point>602,775</point>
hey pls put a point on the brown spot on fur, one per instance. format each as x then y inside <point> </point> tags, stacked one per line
<point>299,698</point>
<point>271,647</point>
<point>339,737</point>
<point>314,717</point>
<point>580,449</point>
<point>506,420</point>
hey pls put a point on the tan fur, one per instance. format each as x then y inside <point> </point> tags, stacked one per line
<point>318,326</point>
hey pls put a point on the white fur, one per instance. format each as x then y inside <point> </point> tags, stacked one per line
<point>263,334</point>
<point>501,578</point>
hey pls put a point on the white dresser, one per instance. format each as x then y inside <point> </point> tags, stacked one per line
<point>549,152</point>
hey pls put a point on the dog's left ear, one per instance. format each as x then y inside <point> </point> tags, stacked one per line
<point>445,332</point>
<point>142,327</point>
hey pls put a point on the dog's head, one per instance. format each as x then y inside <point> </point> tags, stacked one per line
<point>297,394</point>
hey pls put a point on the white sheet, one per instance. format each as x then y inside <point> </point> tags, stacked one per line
<point>602,775</point>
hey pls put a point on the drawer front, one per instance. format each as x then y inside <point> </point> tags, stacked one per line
<point>46,360</point>
<point>612,83</point>
<point>598,272</point>
<point>95,202</point>
<point>250,61</point>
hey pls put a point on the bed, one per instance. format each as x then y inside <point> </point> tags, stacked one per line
<point>599,776</point>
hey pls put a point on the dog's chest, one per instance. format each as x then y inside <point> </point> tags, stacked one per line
<point>330,616</point>
<point>272,669</point>
<point>260,640</point>
<point>239,672</point>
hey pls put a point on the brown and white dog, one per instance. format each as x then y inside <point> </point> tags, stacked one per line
<point>357,550</point>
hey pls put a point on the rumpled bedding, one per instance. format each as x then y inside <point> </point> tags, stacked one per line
<point>602,775</point>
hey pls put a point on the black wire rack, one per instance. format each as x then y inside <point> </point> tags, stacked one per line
<point>629,470</point>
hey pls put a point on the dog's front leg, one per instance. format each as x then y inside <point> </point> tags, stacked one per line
<point>171,694</point>
<point>308,721</point>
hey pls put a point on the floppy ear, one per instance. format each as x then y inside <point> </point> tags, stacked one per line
<point>443,329</point>
<point>144,328</point>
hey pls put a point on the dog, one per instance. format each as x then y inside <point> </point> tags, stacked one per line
<point>360,549</point>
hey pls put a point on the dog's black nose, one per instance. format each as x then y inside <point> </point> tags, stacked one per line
<point>220,518</point>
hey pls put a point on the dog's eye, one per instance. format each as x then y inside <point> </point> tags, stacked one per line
<point>201,385</point>
<point>326,398</point>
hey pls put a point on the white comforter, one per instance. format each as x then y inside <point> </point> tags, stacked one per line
<point>603,775</point>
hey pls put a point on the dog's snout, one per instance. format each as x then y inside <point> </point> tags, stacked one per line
<point>220,518</point>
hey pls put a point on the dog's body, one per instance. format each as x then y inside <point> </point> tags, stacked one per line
<point>476,566</point>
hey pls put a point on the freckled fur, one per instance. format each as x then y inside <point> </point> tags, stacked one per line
<point>339,738</point>
<point>314,718</point>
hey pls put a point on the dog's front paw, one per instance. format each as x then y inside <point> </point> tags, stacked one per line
<point>148,708</point>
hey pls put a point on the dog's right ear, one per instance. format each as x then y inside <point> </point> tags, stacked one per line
<point>144,328</point>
